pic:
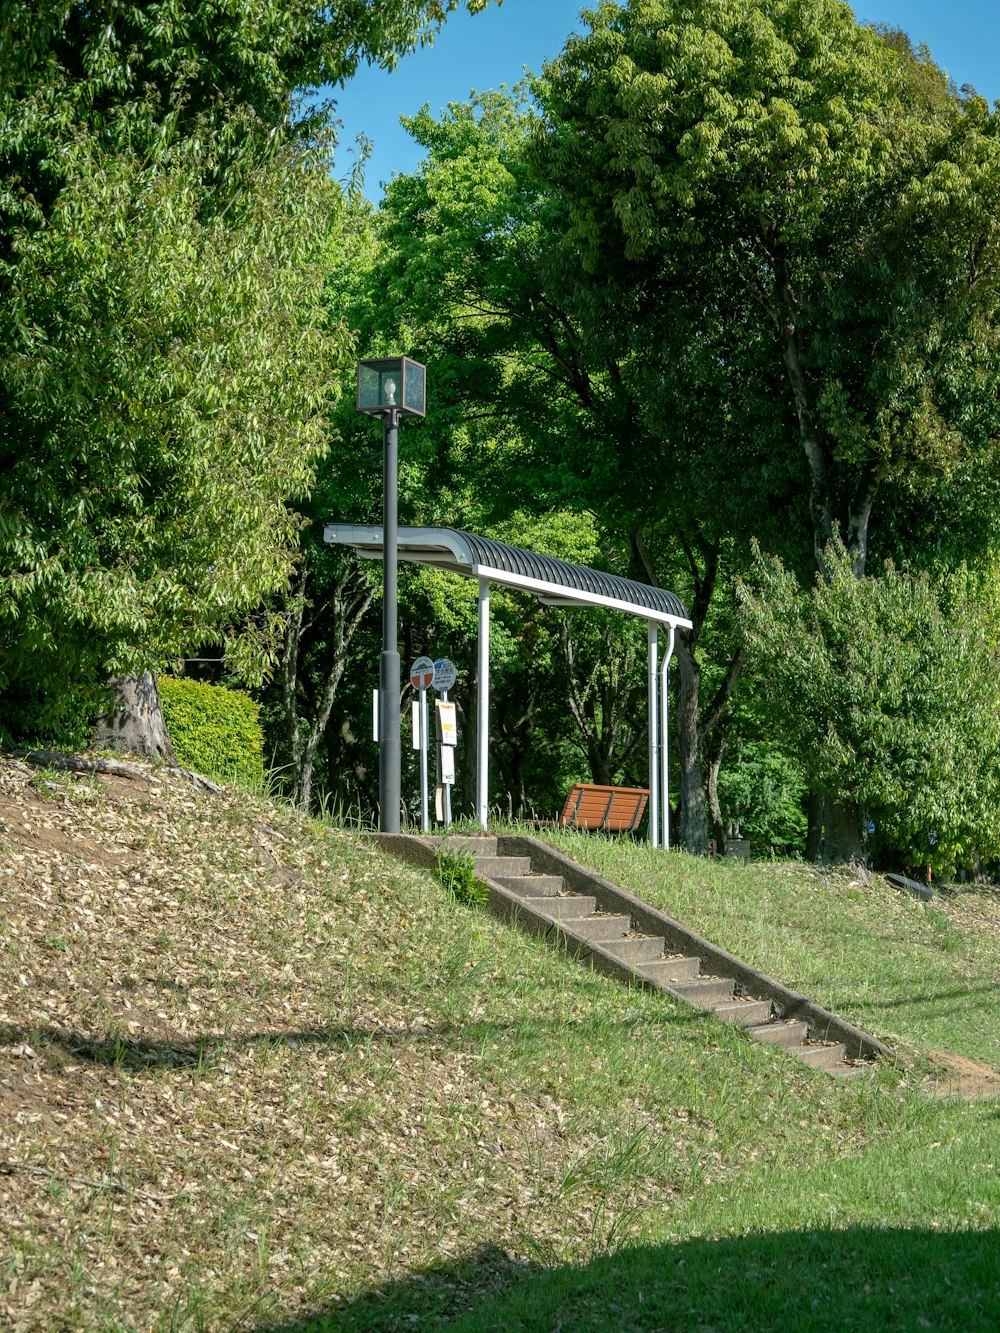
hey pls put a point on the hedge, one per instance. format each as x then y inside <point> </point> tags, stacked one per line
<point>215,731</point>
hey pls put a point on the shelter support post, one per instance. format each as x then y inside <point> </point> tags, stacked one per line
<point>483,705</point>
<point>665,740</point>
<point>654,759</point>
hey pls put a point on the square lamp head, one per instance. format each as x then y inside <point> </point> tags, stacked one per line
<point>389,383</point>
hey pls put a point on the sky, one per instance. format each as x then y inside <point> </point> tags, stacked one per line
<point>491,48</point>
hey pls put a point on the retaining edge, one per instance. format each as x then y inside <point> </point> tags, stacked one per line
<point>420,852</point>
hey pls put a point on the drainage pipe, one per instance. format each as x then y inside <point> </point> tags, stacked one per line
<point>653,711</point>
<point>665,740</point>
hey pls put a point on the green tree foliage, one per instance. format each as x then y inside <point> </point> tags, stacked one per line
<point>594,403</point>
<point>887,692</point>
<point>166,369</point>
<point>804,212</point>
<point>821,189</point>
<point>164,380</point>
<point>219,53</point>
<point>214,730</point>
<point>762,792</point>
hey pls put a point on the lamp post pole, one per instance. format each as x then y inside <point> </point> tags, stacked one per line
<point>390,387</point>
<point>388,712</point>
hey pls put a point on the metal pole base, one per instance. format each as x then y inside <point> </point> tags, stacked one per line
<point>389,746</point>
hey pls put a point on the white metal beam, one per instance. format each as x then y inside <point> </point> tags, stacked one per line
<point>555,595</point>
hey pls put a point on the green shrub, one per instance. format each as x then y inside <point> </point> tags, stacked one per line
<point>457,873</point>
<point>763,790</point>
<point>214,730</point>
<point>63,721</point>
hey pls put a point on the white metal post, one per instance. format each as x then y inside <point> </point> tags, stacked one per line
<point>483,705</point>
<point>654,767</point>
<point>665,740</point>
<point>425,819</point>
<point>446,802</point>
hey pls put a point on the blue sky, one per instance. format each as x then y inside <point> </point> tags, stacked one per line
<point>491,48</point>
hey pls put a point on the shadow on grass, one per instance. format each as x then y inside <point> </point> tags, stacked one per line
<point>806,1281</point>
<point>137,1053</point>
<point>914,997</point>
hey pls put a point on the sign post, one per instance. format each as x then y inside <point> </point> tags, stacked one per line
<point>421,678</point>
<point>445,676</point>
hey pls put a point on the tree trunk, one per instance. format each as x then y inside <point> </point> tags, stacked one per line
<point>136,724</point>
<point>599,704</point>
<point>513,730</point>
<point>712,792</point>
<point>693,811</point>
<point>346,603</point>
<point>843,832</point>
<point>840,820</point>
<point>814,825</point>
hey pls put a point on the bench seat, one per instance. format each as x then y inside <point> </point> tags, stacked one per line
<point>604,809</point>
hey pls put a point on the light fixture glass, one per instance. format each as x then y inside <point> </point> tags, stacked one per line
<point>392,383</point>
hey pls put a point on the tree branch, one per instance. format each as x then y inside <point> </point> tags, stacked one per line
<point>716,708</point>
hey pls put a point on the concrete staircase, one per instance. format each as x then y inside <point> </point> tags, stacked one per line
<point>536,887</point>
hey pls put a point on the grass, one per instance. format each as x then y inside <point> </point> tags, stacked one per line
<point>920,976</point>
<point>278,1081</point>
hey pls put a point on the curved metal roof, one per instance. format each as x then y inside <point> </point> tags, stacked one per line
<point>556,582</point>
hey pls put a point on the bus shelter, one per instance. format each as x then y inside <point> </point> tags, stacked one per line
<point>554,583</point>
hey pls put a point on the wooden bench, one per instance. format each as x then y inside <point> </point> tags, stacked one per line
<point>607,809</point>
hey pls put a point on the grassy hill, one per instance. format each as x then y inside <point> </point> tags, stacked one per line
<point>253,1075</point>
<point>918,975</point>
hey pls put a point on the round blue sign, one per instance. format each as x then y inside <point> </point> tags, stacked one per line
<point>445,674</point>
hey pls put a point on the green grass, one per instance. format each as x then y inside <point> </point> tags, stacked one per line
<point>336,1098</point>
<point>919,976</point>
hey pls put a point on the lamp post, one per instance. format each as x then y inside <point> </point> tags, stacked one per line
<point>390,387</point>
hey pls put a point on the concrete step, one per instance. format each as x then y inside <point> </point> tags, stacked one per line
<point>746,1012</point>
<point>706,992</point>
<point>502,867</point>
<point>531,886</point>
<point>598,928</point>
<point>569,906</point>
<point>825,1056</point>
<point>643,958</point>
<point>635,949</point>
<point>667,970</point>
<point>780,1032</point>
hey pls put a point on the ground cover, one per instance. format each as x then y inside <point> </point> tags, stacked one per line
<point>921,976</point>
<point>254,1075</point>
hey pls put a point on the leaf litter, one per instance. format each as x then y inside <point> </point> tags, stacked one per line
<point>229,1084</point>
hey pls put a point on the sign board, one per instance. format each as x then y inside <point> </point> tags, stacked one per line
<point>422,673</point>
<point>415,720</point>
<point>445,674</point>
<point>447,724</point>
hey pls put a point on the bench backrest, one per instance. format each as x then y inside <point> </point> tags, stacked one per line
<point>614,809</point>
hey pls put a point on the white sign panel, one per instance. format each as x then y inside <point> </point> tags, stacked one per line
<point>422,673</point>
<point>445,674</point>
<point>447,724</point>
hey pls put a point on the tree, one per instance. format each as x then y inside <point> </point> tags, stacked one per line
<point>166,374</point>
<point>165,379</point>
<point>897,704</point>
<point>222,55</point>
<point>817,206</point>
<point>594,401</point>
